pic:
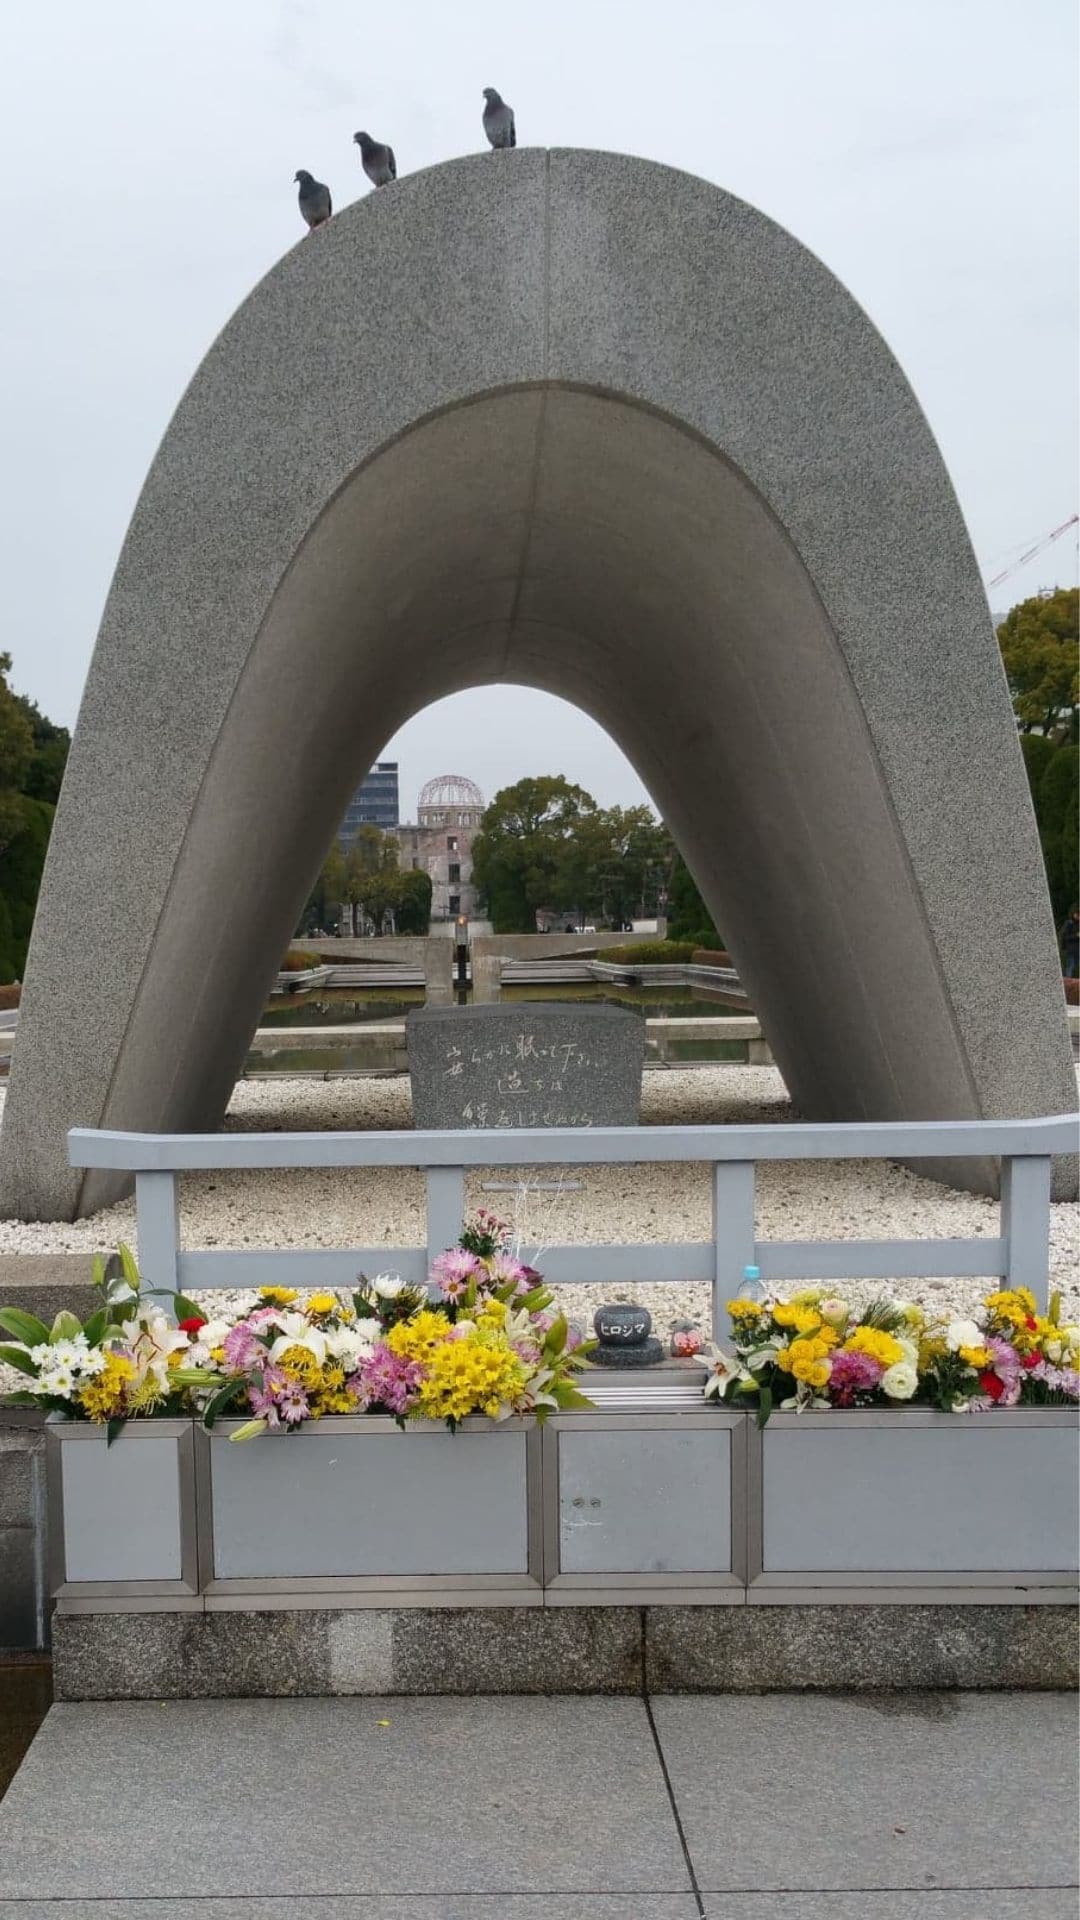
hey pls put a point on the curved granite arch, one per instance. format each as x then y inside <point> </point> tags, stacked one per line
<point>576,421</point>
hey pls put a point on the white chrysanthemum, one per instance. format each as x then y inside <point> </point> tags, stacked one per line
<point>388,1285</point>
<point>56,1381</point>
<point>900,1380</point>
<point>351,1344</point>
<point>963,1333</point>
<point>91,1362</point>
<point>41,1356</point>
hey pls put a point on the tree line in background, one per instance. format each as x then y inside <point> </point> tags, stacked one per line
<point>545,846</point>
<point>366,878</point>
<point>32,757</point>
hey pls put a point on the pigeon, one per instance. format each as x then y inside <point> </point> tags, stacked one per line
<point>315,203</point>
<point>377,161</point>
<point>498,120</point>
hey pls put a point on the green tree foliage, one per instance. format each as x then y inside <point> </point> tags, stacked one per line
<point>520,855</point>
<point>32,756</point>
<point>1039,640</point>
<point>688,916</point>
<point>365,875</point>
<point>1057,803</point>
<point>413,910</point>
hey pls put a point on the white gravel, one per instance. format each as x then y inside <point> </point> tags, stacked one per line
<point>836,1200</point>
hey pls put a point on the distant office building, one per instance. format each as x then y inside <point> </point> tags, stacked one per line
<point>374,804</point>
<point>448,818</point>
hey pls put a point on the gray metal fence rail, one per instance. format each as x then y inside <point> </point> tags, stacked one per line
<point>1018,1254</point>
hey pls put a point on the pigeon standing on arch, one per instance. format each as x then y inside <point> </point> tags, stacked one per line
<point>314,197</point>
<point>498,120</point>
<point>377,161</point>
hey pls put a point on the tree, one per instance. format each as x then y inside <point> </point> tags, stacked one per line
<point>16,755</point>
<point>414,904</point>
<point>1057,804</point>
<point>525,836</point>
<point>688,916</point>
<point>1038,640</point>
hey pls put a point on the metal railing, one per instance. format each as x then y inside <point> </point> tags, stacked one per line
<point>1018,1254</point>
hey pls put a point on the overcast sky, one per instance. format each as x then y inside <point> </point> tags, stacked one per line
<point>927,151</point>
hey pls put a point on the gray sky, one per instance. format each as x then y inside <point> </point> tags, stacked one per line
<point>926,151</point>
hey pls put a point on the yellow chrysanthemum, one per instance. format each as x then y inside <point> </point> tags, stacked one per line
<point>807,1359</point>
<point>465,1376</point>
<point>492,1314</point>
<point>418,1338</point>
<point>321,1304</point>
<point>975,1356</point>
<point>102,1397</point>
<point>301,1365</point>
<point>879,1345</point>
<point>277,1296</point>
<point>744,1310</point>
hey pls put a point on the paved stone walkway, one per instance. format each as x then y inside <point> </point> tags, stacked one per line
<point>771,1807</point>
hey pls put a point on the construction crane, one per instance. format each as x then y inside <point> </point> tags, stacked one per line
<point>1039,546</point>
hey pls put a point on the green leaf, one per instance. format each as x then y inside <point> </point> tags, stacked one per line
<point>186,1309</point>
<point>64,1327</point>
<point>555,1337</point>
<point>96,1326</point>
<point>24,1326</point>
<point>765,1404</point>
<point>112,1429</point>
<point>15,1357</point>
<point>20,1397</point>
<point>222,1399</point>
<point>566,1395</point>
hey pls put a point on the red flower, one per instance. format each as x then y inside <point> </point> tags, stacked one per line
<point>1029,1360</point>
<point>991,1385</point>
<point>192,1326</point>
<point>1032,1325</point>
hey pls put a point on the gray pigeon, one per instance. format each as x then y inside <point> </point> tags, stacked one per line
<point>498,120</point>
<point>315,203</point>
<point>377,161</point>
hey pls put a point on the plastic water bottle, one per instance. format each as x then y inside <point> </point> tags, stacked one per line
<point>751,1280</point>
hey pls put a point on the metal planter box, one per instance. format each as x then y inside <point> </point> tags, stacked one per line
<point>912,1504</point>
<point>349,1511</point>
<point>122,1519</point>
<point>645,1508</point>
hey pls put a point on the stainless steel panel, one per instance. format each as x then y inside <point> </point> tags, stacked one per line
<point>644,1501</point>
<point>121,1507</point>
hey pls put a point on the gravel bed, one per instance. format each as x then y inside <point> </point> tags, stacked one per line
<point>838,1200</point>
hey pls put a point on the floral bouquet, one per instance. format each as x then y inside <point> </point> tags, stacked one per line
<point>483,1341</point>
<point>815,1351</point>
<point>128,1358</point>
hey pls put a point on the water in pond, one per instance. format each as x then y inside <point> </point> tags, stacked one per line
<point>343,1007</point>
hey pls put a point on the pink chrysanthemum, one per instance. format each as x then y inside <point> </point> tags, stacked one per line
<point>386,1379</point>
<point>453,1271</point>
<point>852,1373</point>
<point>241,1347</point>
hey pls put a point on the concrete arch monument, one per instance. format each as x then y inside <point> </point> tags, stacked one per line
<point>577,421</point>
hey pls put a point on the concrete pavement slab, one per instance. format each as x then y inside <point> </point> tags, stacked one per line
<point>957,1903</point>
<point>270,1798</point>
<point>437,1906</point>
<point>870,1791</point>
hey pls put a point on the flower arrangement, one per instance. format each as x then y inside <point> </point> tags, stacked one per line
<point>483,1339</point>
<point>126,1359</point>
<point>814,1351</point>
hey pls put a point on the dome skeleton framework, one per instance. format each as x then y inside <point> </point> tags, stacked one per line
<point>450,790</point>
<point>653,459</point>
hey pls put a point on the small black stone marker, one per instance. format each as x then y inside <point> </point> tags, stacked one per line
<point>624,1336</point>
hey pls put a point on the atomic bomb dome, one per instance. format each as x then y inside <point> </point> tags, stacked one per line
<point>450,800</point>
